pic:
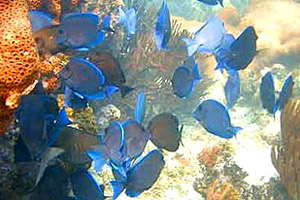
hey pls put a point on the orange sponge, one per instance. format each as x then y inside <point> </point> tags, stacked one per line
<point>19,59</point>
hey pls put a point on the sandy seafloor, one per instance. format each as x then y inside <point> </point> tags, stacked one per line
<point>278,27</point>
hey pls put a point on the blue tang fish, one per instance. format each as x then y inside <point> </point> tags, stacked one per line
<point>140,107</point>
<point>79,30</point>
<point>141,176</point>
<point>39,122</point>
<point>285,93</point>
<point>208,38</point>
<point>129,18</point>
<point>74,101</point>
<point>222,52</point>
<point>165,132</point>
<point>39,20</point>
<point>163,27</point>
<point>232,89</point>
<point>242,50</point>
<point>267,92</point>
<point>212,2</point>
<point>85,187</point>
<point>214,117</point>
<point>85,79</point>
<point>184,80</point>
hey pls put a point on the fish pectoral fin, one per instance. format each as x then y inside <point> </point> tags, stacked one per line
<point>48,155</point>
<point>118,187</point>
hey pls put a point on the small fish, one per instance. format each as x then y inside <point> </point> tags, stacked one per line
<point>74,101</point>
<point>285,94</point>
<point>163,27</point>
<point>267,92</point>
<point>136,138</point>
<point>39,20</point>
<point>75,143</point>
<point>141,176</point>
<point>242,50</point>
<point>214,117</point>
<point>111,69</point>
<point>129,18</point>
<point>140,107</point>
<point>184,80</point>
<point>165,133</point>
<point>79,30</point>
<point>208,38</point>
<point>53,185</point>
<point>85,79</point>
<point>85,187</point>
<point>212,2</point>
<point>222,52</point>
<point>232,89</point>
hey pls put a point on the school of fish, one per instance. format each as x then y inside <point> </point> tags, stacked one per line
<point>48,134</point>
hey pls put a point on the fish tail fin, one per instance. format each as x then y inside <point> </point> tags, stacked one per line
<point>220,67</point>
<point>196,73</point>
<point>275,108</point>
<point>180,131</point>
<point>110,90</point>
<point>125,90</point>
<point>235,130</point>
<point>120,169</point>
<point>98,158</point>
<point>62,118</point>
<point>118,187</point>
<point>99,39</point>
<point>221,3</point>
<point>122,16</point>
<point>191,45</point>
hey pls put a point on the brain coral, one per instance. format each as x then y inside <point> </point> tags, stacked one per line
<point>19,60</point>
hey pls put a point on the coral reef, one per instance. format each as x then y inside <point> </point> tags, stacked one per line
<point>286,156</point>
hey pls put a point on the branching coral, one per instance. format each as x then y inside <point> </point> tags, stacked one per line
<point>145,53</point>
